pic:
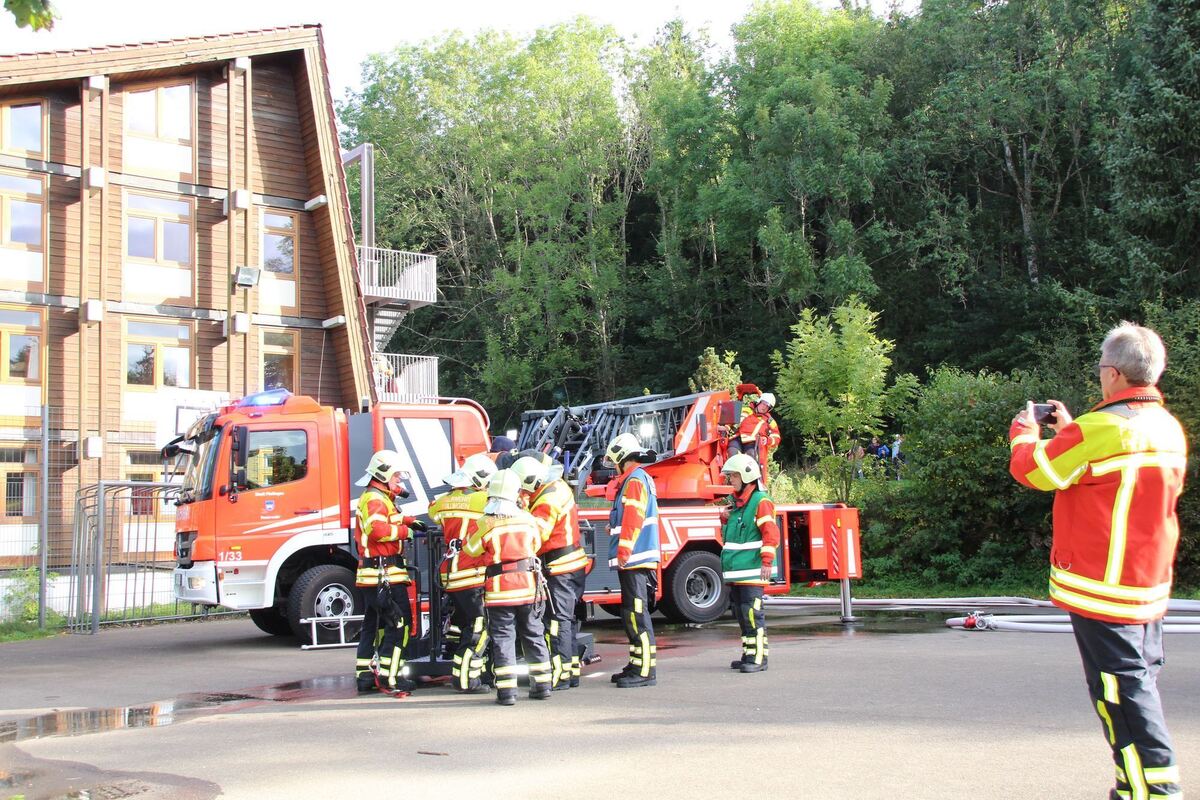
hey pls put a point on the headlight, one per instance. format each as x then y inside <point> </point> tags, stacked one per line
<point>197,583</point>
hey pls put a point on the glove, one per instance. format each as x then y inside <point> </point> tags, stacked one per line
<point>455,545</point>
<point>418,525</point>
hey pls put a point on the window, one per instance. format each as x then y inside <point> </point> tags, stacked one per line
<point>22,208</point>
<point>143,465</point>
<point>157,354</point>
<point>22,129</point>
<point>158,130</point>
<point>279,361</point>
<point>275,457</point>
<point>279,244</point>
<point>20,346</point>
<point>19,468</point>
<point>158,230</point>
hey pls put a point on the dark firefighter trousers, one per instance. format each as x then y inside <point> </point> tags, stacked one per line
<point>1121,664</point>
<point>562,625</point>
<point>747,601</point>
<point>384,631</point>
<point>505,625</point>
<point>470,656</point>
<point>637,587</point>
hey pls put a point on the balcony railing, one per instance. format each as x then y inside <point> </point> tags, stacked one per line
<point>398,276</point>
<point>406,379</point>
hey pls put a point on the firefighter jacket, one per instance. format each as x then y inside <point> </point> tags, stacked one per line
<point>381,534</point>
<point>749,538</point>
<point>458,512</point>
<point>509,546</point>
<point>757,426</point>
<point>1118,471</point>
<point>558,521</point>
<point>633,521</point>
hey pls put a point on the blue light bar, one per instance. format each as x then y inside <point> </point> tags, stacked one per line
<point>275,397</point>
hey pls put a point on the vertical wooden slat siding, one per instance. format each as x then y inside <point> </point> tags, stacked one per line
<point>83,261</point>
<point>251,339</point>
<point>102,398</point>
<point>231,174</point>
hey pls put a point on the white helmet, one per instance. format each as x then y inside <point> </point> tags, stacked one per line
<point>474,473</point>
<point>531,472</point>
<point>504,485</point>
<point>743,466</point>
<point>622,447</point>
<point>768,398</point>
<point>383,465</point>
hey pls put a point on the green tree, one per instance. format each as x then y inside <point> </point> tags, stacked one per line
<point>833,379</point>
<point>37,15</point>
<point>716,372</point>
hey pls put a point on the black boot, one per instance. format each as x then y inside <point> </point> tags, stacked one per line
<point>401,688</point>
<point>476,687</point>
<point>506,697</point>
<point>635,681</point>
<point>574,682</point>
<point>366,683</point>
<point>737,664</point>
<point>539,692</point>
<point>750,666</point>
<point>626,671</point>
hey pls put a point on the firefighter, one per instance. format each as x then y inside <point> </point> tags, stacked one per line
<point>1117,473</point>
<point>458,511</point>
<point>564,561</point>
<point>758,433</point>
<point>383,576</point>
<point>634,551</point>
<point>509,539</point>
<point>749,539</point>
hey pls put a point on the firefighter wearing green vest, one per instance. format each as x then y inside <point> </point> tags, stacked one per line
<point>749,539</point>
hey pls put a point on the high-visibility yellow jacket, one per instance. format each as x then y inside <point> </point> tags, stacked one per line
<point>458,512</point>
<point>510,546</point>
<point>553,506</point>
<point>381,534</point>
<point>1118,471</point>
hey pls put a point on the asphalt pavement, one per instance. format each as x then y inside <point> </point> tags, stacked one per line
<point>896,707</point>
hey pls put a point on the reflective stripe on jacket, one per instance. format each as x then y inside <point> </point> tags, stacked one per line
<point>381,532</point>
<point>749,540</point>
<point>504,540</point>
<point>1118,471</point>
<point>558,519</point>
<point>633,522</point>
<point>458,512</point>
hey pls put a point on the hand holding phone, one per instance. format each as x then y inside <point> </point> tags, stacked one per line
<point>1045,414</point>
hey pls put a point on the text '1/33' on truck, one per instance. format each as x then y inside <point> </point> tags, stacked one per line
<point>266,519</point>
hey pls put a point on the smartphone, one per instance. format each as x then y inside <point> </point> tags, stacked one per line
<point>1044,414</point>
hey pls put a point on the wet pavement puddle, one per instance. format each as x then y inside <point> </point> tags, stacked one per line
<point>675,640</point>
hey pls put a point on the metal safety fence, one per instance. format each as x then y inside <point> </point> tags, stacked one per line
<point>47,456</point>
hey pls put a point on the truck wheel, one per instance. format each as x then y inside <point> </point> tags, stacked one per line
<point>271,620</point>
<point>326,590</point>
<point>694,591</point>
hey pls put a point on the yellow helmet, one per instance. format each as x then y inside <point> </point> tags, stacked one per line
<point>474,473</point>
<point>743,466</point>
<point>504,485</point>
<point>622,447</point>
<point>383,465</point>
<point>531,471</point>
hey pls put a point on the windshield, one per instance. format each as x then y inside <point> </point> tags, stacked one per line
<point>206,441</point>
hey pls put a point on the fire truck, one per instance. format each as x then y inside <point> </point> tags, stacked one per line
<point>265,520</point>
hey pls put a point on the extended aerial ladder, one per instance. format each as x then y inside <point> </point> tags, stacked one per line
<point>684,432</point>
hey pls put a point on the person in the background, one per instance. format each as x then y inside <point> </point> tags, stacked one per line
<point>897,455</point>
<point>757,434</point>
<point>1117,473</point>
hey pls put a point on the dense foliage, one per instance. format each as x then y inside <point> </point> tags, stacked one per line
<point>998,182</point>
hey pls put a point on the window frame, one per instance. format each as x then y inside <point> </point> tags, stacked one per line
<point>158,342</point>
<point>6,198</point>
<point>263,231</point>
<point>308,450</point>
<point>155,471</point>
<point>6,128</point>
<point>190,142</point>
<point>159,217</point>
<point>8,330</point>
<point>23,468</point>
<point>265,349</point>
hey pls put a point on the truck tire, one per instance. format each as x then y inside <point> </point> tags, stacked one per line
<point>326,590</point>
<point>271,620</point>
<point>694,591</point>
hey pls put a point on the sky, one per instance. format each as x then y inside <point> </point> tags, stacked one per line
<point>353,30</point>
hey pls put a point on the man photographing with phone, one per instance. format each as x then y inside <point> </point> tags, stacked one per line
<point>1118,471</point>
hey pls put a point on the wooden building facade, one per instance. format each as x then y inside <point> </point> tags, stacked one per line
<point>140,187</point>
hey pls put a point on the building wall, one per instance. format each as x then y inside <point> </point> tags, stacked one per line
<point>83,369</point>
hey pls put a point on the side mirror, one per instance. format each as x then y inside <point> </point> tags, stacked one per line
<point>239,480</point>
<point>239,446</point>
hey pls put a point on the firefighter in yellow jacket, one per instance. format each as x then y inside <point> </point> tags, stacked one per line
<point>458,512</point>
<point>383,576</point>
<point>1117,473</point>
